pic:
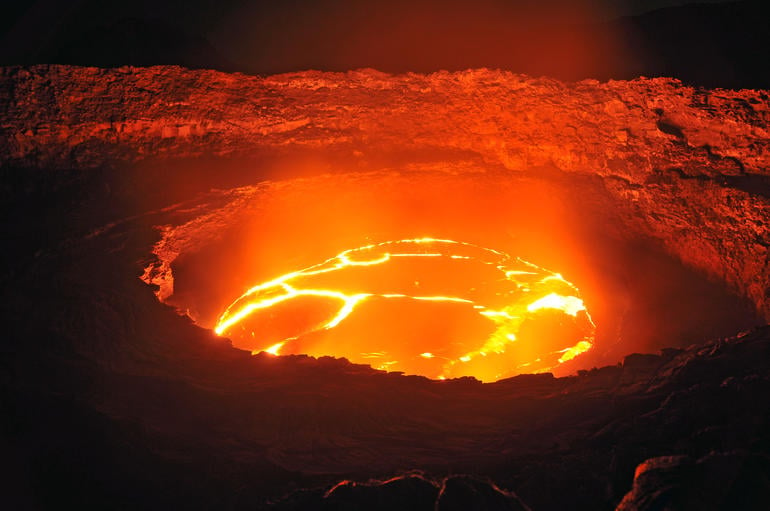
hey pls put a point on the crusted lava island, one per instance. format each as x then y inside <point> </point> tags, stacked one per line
<point>361,290</point>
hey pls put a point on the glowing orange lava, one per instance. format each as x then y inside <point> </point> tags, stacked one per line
<point>438,308</point>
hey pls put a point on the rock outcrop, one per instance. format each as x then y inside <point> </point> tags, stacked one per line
<point>61,116</point>
<point>729,480</point>
<point>411,492</point>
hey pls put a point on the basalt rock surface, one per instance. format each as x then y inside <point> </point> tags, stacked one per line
<point>60,116</point>
<point>410,492</point>
<point>733,479</point>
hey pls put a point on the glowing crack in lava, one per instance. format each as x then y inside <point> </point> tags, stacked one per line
<point>434,307</point>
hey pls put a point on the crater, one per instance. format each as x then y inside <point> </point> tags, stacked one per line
<point>628,238</point>
<point>265,265</point>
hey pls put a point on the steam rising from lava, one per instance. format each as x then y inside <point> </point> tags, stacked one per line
<point>435,307</point>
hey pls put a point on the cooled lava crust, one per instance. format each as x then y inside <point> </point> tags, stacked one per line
<point>113,399</point>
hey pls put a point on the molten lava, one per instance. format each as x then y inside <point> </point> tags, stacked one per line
<point>438,308</point>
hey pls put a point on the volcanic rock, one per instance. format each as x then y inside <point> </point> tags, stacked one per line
<point>463,492</point>
<point>410,492</point>
<point>730,480</point>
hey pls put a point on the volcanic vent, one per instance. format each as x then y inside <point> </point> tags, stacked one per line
<point>433,272</point>
<point>256,267</point>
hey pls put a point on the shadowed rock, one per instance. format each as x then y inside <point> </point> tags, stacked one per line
<point>732,480</point>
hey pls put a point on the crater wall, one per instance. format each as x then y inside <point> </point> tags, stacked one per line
<point>688,166</point>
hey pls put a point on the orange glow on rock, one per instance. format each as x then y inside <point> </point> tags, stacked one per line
<point>433,307</point>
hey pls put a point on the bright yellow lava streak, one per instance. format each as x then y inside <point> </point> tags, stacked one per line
<point>521,317</point>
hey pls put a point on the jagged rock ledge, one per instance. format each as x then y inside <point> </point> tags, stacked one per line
<point>56,116</point>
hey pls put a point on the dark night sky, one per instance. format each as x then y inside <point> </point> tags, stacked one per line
<point>569,39</point>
